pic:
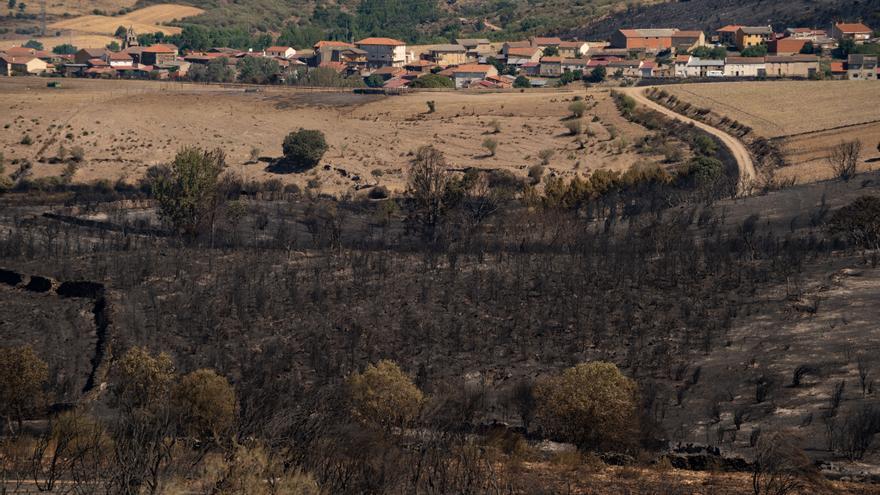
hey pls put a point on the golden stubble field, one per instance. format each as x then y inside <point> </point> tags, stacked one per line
<point>125,127</point>
<point>146,20</point>
<point>805,118</point>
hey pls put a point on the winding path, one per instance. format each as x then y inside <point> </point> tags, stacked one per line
<point>747,172</point>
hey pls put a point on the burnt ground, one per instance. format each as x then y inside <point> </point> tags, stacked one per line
<point>309,289</point>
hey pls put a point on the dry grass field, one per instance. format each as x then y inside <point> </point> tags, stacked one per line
<point>83,7</point>
<point>146,20</point>
<point>126,126</point>
<point>49,42</point>
<point>805,118</point>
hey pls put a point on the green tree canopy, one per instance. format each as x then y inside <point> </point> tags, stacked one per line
<point>187,191</point>
<point>304,148</point>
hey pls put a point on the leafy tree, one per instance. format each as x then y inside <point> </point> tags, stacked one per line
<point>427,183</point>
<point>597,75</point>
<point>395,18</point>
<point>704,170</point>
<point>143,381</point>
<point>205,403</point>
<point>808,48</point>
<point>11,4</point>
<point>22,378</point>
<point>592,405</point>
<point>859,222</point>
<point>187,191</point>
<point>754,51</point>
<point>121,32</point>
<point>113,46</point>
<point>522,82</point>
<point>551,51</point>
<point>433,81</point>
<point>257,70</point>
<point>705,145</point>
<point>710,52</point>
<point>383,395</point>
<point>34,44</point>
<point>571,76</point>
<point>64,49</point>
<point>374,81</point>
<point>217,70</point>
<point>304,148</point>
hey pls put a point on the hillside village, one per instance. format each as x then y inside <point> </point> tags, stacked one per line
<point>845,51</point>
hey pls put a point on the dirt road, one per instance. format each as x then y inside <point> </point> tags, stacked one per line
<point>747,173</point>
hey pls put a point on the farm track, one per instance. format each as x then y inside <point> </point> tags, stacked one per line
<point>747,172</point>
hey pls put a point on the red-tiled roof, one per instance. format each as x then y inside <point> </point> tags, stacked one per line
<point>522,52</point>
<point>337,66</point>
<point>160,48</point>
<point>730,28</point>
<point>278,48</point>
<point>381,42</point>
<point>837,67</point>
<point>473,68</point>
<point>852,28</point>
<point>551,60</point>
<point>328,44</point>
<point>119,56</point>
<point>571,44</point>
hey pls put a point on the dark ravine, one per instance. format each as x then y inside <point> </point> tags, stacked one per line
<point>101,309</point>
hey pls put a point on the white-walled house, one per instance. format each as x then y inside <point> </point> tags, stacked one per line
<point>745,67</point>
<point>465,75</point>
<point>383,51</point>
<point>285,52</point>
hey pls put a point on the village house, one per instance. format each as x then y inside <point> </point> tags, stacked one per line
<point>747,36</point>
<point>745,67</point>
<point>383,51</point>
<point>805,33</point>
<point>551,67</point>
<point>786,46</point>
<point>680,64</point>
<point>476,48</point>
<point>799,66</point>
<point>861,67</point>
<point>857,32</point>
<point>647,68</point>
<point>158,54</point>
<point>573,49</point>
<point>649,40</point>
<point>22,65</point>
<point>465,75</point>
<point>838,69</point>
<point>509,45</point>
<point>530,68</point>
<point>387,72</point>
<point>118,59</point>
<point>420,66</point>
<point>624,68</point>
<point>727,34</point>
<point>519,56</point>
<point>574,64</point>
<point>701,67</point>
<point>543,42</point>
<point>83,55</point>
<point>446,55</point>
<point>685,41</point>
<point>284,52</point>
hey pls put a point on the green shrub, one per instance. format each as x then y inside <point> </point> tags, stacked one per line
<point>304,148</point>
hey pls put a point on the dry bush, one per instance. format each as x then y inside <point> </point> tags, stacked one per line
<point>781,468</point>
<point>844,159</point>
<point>383,395</point>
<point>205,402</point>
<point>22,378</point>
<point>592,405</point>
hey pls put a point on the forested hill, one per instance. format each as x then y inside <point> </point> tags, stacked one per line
<point>708,15</point>
<point>302,22</point>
